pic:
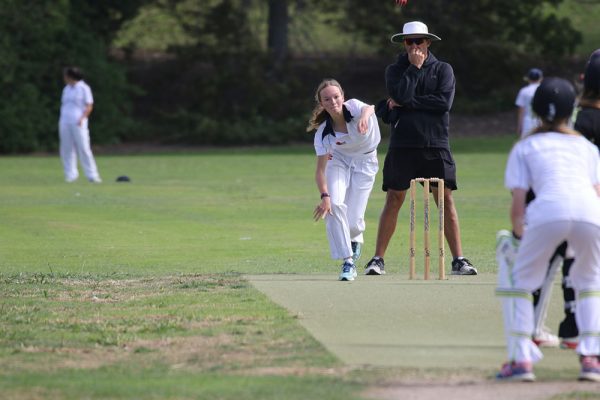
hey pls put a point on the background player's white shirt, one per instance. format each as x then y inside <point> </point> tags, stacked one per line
<point>352,143</point>
<point>561,169</point>
<point>74,100</point>
<point>524,98</point>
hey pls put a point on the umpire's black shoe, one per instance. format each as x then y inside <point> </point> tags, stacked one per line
<point>375,267</point>
<point>462,266</point>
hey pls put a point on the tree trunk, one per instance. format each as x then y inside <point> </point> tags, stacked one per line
<point>277,41</point>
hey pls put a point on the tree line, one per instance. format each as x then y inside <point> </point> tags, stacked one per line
<point>232,85</point>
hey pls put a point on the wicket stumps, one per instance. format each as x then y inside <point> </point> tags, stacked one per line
<point>441,244</point>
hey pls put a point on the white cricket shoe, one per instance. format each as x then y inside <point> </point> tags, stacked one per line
<point>348,272</point>
<point>546,339</point>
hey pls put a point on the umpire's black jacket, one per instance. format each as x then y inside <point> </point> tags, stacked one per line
<point>425,96</point>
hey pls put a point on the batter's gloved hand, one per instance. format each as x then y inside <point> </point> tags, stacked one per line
<point>507,248</point>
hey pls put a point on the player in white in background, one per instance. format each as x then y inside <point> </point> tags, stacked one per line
<point>346,139</point>
<point>526,119</point>
<point>76,106</point>
<point>563,169</point>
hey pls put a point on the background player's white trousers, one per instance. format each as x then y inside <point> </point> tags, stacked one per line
<point>74,142</point>
<point>349,181</point>
<point>516,286</point>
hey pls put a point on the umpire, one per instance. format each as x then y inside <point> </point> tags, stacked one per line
<point>421,90</point>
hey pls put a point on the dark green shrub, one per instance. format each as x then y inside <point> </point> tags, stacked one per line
<point>39,38</point>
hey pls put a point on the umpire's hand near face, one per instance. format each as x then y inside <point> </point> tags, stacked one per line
<point>416,57</point>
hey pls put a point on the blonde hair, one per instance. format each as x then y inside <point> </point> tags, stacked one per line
<point>319,114</point>
<point>560,126</point>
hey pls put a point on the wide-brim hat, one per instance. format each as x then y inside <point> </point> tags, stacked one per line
<point>414,28</point>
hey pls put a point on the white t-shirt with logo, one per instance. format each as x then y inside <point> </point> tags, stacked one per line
<point>524,98</point>
<point>75,98</point>
<point>562,171</point>
<point>352,143</point>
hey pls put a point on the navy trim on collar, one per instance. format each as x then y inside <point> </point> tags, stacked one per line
<point>329,129</point>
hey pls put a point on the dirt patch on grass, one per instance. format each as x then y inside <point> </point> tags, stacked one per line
<point>474,385</point>
<point>488,390</point>
<point>197,353</point>
<point>67,358</point>
<point>32,393</point>
<point>297,371</point>
<point>192,322</point>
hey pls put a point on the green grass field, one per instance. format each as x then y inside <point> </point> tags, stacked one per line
<point>138,290</point>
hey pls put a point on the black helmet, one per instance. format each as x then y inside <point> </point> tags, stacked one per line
<point>554,99</point>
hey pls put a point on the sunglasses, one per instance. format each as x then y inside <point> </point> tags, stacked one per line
<point>417,41</point>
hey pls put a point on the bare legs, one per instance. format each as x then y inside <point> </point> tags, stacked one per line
<point>389,217</point>
<point>387,220</point>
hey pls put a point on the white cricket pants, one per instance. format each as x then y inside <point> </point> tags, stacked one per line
<point>75,141</point>
<point>349,181</point>
<point>537,246</point>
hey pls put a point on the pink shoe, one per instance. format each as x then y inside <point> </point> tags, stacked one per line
<point>516,371</point>
<point>590,369</point>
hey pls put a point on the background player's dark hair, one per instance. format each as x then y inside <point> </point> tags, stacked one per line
<point>591,81</point>
<point>73,73</point>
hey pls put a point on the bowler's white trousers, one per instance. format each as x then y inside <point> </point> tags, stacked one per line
<point>75,141</point>
<point>349,182</point>
<point>537,246</point>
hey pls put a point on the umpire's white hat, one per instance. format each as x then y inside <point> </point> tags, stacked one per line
<point>416,28</point>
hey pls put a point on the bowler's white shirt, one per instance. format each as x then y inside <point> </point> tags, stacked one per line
<point>352,143</point>
<point>75,98</point>
<point>524,98</point>
<point>561,169</point>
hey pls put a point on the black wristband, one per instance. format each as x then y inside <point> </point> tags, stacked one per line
<point>324,195</point>
<point>516,236</point>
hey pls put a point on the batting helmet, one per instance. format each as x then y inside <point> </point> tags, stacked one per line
<point>554,99</point>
